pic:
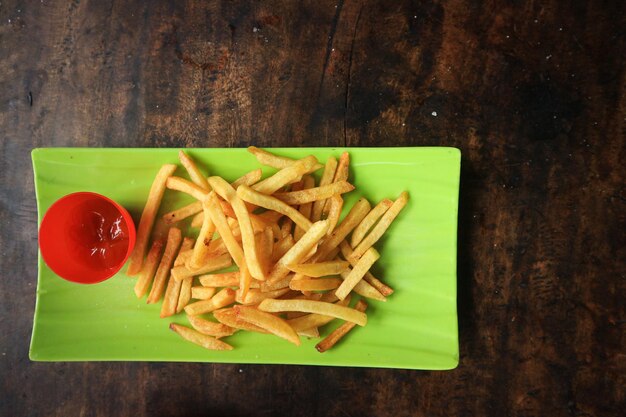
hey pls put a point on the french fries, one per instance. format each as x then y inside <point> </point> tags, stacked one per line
<point>317,307</point>
<point>200,339</point>
<point>147,218</point>
<point>213,264</point>
<point>327,177</point>
<point>305,209</point>
<point>368,221</point>
<point>149,268</point>
<point>250,178</point>
<point>271,203</point>
<point>187,187</point>
<point>340,332</point>
<point>172,292</point>
<point>314,194</point>
<point>298,251</point>
<point>210,328</point>
<point>174,237</point>
<point>183,212</point>
<point>222,299</point>
<point>269,322</point>
<point>274,161</point>
<point>226,279</point>
<point>335,204</point>
<point>194,172</point>
<point>287,175</point>
<point>202,293</point>
<point>201,248</point>
<point>361,267</point>
<point>227,192</point>
<point>314,284</point>
<point>296,269</point>
<point>384,223</point>
<point>320,269</point>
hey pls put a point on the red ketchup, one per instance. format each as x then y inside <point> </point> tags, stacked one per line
<point>86,237</point>
<point>100,234</point>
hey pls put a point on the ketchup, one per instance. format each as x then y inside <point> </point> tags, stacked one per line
<point>99,233</point>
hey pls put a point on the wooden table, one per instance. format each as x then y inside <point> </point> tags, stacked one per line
<point>533,93</point>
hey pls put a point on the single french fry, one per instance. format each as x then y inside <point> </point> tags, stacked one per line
<point>369,221</point>
<point>248,179</point>
<point>225,279</point>
<point>197,220</point>
<point>305,209</point>
<point>265,245</point>
<point>315,194</point>
<point>223,298</point>
<point>256,296</point>
<point>286,176</point>
<point>211,265</point>
<point>201,248</point>
<point>228,316</point>
<point>251,196</point>
<point>200,339</point>
<point>202,293</point>
<point>381,287</point>
<point>353,218</point>
<point>269,322</point>
<point>320,269</point>
<point>281,247</point>
<point>315,284</point>
<point>318,307</point>
<point>172,292</point>
<point>185,293</point>
<point>174,238</point>
<point>342,172</point>
<point>227,192</point>
<point>298,251</point>
<point>317,296</point>
<point>308,321</point>
<point>337,334</point>
<point>275,161</point>
<point>362,266</point>
<point>187,187</point>
<point>334,212</point>
<point>382,226</point>
<point>148,269</point>
<point>210,328</point>
<point>147,218</point>
<point>340,175</point>
<point>182,213</point>
<point>327,178</point>
<point>194,172</point>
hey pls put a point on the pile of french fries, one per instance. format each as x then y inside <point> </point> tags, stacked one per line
<point>297,266</point>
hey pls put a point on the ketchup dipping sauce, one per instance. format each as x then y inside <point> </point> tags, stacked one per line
<point>86,237</point>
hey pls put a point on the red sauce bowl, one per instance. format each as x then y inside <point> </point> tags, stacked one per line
<point>86,237</point>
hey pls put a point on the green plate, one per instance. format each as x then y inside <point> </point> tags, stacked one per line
<point>415,329</point>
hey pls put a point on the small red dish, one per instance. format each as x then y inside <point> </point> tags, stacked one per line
<point>86,237</point>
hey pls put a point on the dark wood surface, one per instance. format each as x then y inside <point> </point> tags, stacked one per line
<point>533,93</point>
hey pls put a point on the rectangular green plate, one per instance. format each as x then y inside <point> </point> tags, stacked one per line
<point>415,329</point>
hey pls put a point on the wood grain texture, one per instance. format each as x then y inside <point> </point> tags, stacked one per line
<point>533,93</point>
